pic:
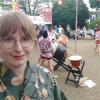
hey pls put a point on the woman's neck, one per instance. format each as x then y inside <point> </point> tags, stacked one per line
<point>19,70</point>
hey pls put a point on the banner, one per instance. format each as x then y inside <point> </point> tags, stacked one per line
<point>46,14</point>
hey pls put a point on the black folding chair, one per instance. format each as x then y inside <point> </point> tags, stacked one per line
<point>76,72</point>
<point>60,56</point>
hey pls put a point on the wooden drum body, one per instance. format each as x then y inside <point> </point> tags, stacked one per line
<point>75,61</point>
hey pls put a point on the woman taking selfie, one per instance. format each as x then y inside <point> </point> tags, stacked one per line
<point>20,80</point>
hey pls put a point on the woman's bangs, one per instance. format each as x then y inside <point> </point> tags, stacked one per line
<point>19,27</point>
<point>16,22</point>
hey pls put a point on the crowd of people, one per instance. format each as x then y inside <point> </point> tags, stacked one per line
<point>48,38</point>
<point>57,35</point>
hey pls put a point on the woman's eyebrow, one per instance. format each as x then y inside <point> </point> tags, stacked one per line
<point>9,36</point>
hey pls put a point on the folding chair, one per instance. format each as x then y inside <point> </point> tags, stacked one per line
<point>76,72</point>
<point>60,56</point>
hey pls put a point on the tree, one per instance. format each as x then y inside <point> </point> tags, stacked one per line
<point>65,14</point>
<point>94,3</point>
<point>94,23</point>
<point>5,6</point>
<point>32,7</point>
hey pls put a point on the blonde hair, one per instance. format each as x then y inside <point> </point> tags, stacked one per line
<point>16,21</point>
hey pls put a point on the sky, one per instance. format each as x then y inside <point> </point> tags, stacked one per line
<point>88,5</point>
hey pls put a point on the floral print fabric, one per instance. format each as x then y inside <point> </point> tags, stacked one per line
<point>45,47</point>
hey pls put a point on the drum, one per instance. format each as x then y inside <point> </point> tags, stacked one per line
<point>75,60</point>
<point>60,52</point>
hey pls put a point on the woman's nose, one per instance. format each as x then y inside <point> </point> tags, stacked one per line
<point>18,46</point>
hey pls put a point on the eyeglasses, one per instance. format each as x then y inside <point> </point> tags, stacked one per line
<point>9,42</point>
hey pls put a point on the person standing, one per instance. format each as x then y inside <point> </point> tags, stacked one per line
<point>84,32</point>
<point>60,30</point>
<point>97,41</point>
<point>68,31</point>
<point>52,34</point>
<point>45,44</point>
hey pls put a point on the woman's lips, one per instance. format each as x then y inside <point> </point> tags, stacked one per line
<point>20,57</point>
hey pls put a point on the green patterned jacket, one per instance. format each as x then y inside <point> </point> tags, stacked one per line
<point>37,85</point>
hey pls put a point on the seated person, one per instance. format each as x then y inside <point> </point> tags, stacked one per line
<point>63,40</point>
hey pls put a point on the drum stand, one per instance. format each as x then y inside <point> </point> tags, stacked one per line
<point>76,72</point>
<point>60,63</point>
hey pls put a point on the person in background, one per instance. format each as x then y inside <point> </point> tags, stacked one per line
<point>51,34</point>
<point>60,30</point>
<point>45,44</point>
<point>37,30</point>
<point>40,32</point>
<point>19,79</point>
<point>68,31</point>
<point>55,30</point>
<point>63,40</point>
<point>84,32</point>
<point>97,41</point>
<point>95,28</point>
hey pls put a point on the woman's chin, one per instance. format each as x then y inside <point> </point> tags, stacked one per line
<point>19,63</point>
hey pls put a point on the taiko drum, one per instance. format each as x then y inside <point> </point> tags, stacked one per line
<point>75,60</point>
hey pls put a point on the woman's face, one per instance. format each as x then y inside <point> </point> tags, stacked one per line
<point>15,49</point>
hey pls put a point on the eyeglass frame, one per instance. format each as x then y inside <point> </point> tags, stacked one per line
<point>3,40</point>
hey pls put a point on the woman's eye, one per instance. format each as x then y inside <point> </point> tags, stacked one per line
<point>9,39</point>
<point>27,38</point>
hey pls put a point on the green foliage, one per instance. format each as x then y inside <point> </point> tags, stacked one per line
<point>65,14</point>
<point>26,5</point>
<point>33,9</point>
<point>94,23</point>
<point>95,3</point>
<point>5,6</point>
<point>22,5</point>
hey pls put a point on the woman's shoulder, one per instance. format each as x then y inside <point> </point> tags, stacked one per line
<point>39,69</point>
<point>42,73</point>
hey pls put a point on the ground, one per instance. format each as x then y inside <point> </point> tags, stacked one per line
<point>85,48</point>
